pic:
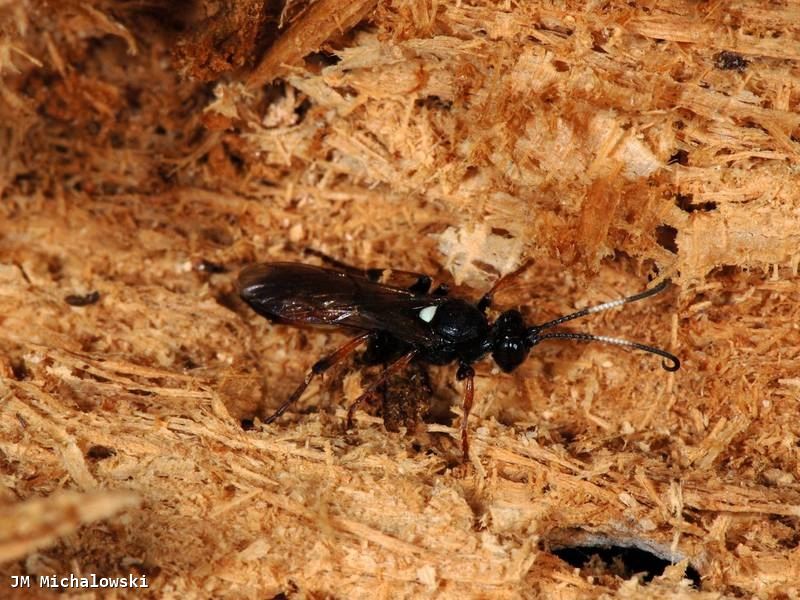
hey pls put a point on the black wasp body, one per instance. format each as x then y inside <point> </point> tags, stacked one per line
<point>400,324</point>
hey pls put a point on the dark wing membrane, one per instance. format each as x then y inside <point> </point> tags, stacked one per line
<point>310,295</point>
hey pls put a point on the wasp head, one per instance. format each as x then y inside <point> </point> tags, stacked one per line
<point>509,342</point>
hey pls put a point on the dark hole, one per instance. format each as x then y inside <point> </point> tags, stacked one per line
<point>196,136</point>
<point>302,109</point>
<point>86,375</point>
<point>207,266</point>
<point>684,202</point>
<point>680,157</point>
<point>218,235</point>
<point>237,161</point>
<point>666,236</point>
<point>55,267</point>
<point>486,267</point>
<point>434,102</point>
<point>599,39</point>
<point>134,97</point>
<point>247,424</point>
<point>82,299</point>
<point>728,271</point>
<point>322,59</point>
<point>166,173</point>
<point>750,125</point>
<point>560,66</point>
<point>116,139</point>
<point>26,176</point>
<point>730,61</point>
<point>137,392</point>
<point>151,571</point>
<point>471,171</point>
<point>566,435</point>
<point>18,370</point>
<point>98,452</point>
<point>348,91</point>
<point>503,233</point>
<point>621,562</point>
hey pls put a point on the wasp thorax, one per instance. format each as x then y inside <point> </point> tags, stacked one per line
<point>459,321</point>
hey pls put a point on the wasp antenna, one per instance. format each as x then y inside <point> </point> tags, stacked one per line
<point>606,306</point>
<point>673,365</point>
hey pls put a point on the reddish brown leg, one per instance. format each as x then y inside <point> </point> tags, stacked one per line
<point>398,365</point>
<point>319,367</point>
<point>467,374</point>
<point>486,301</point>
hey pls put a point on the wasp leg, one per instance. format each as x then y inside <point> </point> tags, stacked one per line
<point>319,367</point>
<point>467,374</point>
<point>398,365</point>
<point>486,301</point>
<point>421,283</point>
